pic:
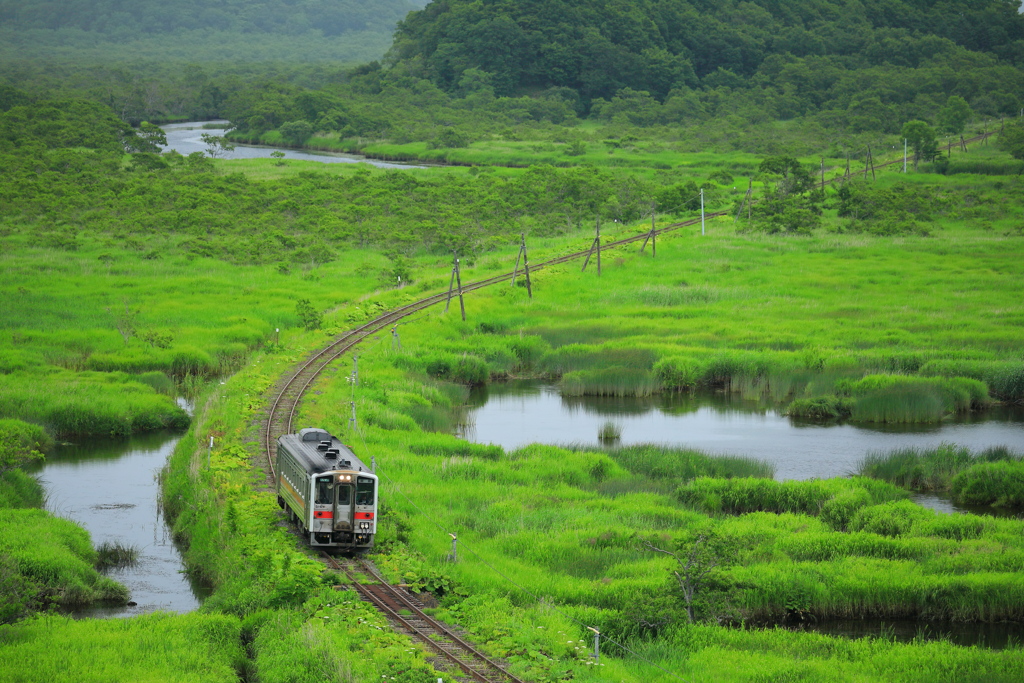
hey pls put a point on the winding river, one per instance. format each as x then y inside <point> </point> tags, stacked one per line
<point>186,138</point>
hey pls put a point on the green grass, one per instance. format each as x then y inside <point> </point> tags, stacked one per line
<point>57,557</point>
<point>998,483</point>
<point>177,648</point>
<point>982,478</point>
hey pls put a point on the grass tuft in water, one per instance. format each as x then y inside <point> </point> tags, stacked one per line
<point>113,554</point>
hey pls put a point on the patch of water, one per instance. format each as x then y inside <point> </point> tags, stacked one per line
<point>186,138</point>
<point>515,414</point>
<point>110,486</point>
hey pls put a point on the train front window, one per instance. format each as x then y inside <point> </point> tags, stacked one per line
<point>324,491</point>
<point>344,495</point>
<point>364,491</point>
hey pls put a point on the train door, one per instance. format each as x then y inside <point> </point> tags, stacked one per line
<point>322,523</point>
<point>365,522</point>
<point>343,518</point>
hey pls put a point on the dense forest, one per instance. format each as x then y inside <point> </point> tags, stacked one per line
<point>102,31</point>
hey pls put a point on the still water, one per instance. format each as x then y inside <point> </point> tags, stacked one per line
<point>109,486</point>
<point>186,138</point>
<point>514,414</point>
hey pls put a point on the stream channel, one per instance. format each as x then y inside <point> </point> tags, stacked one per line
<point>517,413</point>
<point>110,486</point>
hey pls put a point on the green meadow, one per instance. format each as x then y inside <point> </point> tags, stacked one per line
<point>854,320</point>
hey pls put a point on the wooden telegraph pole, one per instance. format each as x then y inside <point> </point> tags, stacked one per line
<point>595,247</point>
<point>526,265</point>
<point>456,280</point>
<point>652,236</point>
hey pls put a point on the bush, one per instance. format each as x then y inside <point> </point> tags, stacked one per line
<point>21,442</point>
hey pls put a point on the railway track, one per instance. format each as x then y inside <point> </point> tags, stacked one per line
<point>406,615</point>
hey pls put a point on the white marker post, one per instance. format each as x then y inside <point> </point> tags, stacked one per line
<point>702,211</point>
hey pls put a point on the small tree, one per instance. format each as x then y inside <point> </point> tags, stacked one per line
<point>216,145</point>
<point>1011,140</point>
<point>127,321</point>
<point>296,132</point>
<point>921,138</point>
<point>954,116</point>
<point>696,563</point>
<point>278,157</point>
<point>310,317</point>
<point>21,443</point>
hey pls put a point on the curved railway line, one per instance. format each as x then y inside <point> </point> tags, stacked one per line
<point>397,605</point>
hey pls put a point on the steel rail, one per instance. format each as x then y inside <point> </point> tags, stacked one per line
<point>389,592</point>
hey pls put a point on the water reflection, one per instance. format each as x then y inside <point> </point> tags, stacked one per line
<point>515,414</point>
<point>110,487</point>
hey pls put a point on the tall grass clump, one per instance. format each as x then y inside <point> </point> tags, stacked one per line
<point>683,464</point>
<point>999,484</point>
<point>901,398</point>
<point>1005,379</point>
<point>18,489</point>
<point>612,381</point>
<point>580,357</point>
<point>114,554</point>
<point>929,469</point>
<point>835,499</point>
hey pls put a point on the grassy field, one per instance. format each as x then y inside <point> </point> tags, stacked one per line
<point>553,540</point>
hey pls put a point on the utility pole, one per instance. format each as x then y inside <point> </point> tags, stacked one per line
<point>455,279</point>
<point>526,265</point>
<point>652,236</point>
<point>595,246</point>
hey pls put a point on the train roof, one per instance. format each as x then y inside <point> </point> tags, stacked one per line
<point>318,451</point>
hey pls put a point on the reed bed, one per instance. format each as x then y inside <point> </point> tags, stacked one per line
<point>987,477</point>
<point>999,484</point>
<point>19,489</point>
<point>654,461</point>
<point>611,381</point>
<point>813,497</point>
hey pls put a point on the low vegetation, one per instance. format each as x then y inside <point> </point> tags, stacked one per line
<point>989,477</point>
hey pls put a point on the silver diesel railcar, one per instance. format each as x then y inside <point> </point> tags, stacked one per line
<point>326,490</point>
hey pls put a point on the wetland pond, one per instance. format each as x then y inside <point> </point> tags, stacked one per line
<point>518,413</point>
<point>110,486</point>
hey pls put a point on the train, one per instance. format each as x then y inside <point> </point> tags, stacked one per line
<point>328,492</point>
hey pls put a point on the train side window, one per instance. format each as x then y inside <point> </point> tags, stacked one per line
<point>364,491</point>
<point>324,486</point>
<point>344,495</point>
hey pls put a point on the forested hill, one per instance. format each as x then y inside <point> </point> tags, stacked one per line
<point>597,47</point>
<point>101,31</point>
